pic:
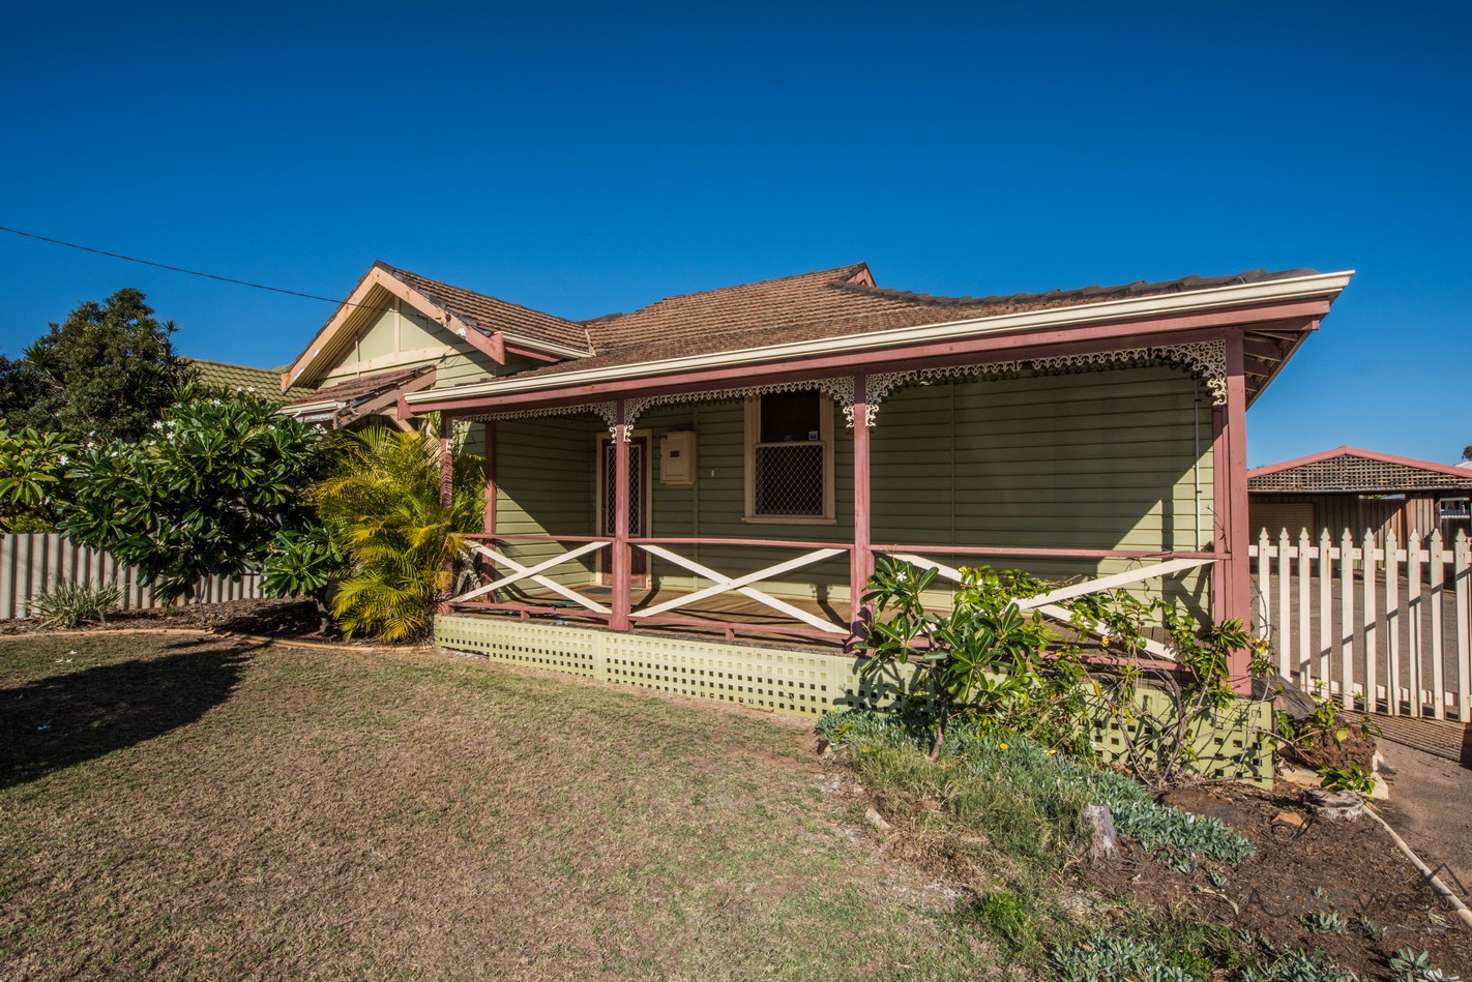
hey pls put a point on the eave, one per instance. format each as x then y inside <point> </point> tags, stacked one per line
<point>1275,315</point>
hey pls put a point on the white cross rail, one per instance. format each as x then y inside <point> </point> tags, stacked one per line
<point>533,573</point>
<point>742,585</point>
<point>1047,604</point>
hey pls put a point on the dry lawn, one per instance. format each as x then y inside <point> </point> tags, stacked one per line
<point>177,808</point>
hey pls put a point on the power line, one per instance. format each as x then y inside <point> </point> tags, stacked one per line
<point>177,269</point>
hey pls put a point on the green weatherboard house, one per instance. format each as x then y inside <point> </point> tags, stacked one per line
<point>727,464</point>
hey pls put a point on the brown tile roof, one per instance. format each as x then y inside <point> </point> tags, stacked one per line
<point>492,314</point>
<point>828,303</point>
<point>843,300</point>
<point>748,306</point>
<point>359,389</point>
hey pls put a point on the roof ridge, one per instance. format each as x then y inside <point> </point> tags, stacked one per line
<point>1183,283</point>
<point>837,271</point>
<point>1344,450</point>
<point>216,361</point>
<point>488,296</point>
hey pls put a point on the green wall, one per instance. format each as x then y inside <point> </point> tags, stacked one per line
<point>1095,460</point>
<point>402,337</point>
<point>544,475</point>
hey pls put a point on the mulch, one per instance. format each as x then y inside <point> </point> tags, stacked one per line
<point>1303,865</point>
<point>1326,749</point>
<point>279,619</point>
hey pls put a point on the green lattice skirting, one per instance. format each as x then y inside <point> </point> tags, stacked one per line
<point>1235,747</point>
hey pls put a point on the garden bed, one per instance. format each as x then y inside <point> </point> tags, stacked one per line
<point>1215,881</point>
<point>1303,867</point>
<point>282,619</point>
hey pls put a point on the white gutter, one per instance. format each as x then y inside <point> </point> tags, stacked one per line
<point>312,408</point>
<point>1311,287</point>
<point>548,347</point>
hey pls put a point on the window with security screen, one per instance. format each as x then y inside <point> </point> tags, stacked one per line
<point>789,457</point>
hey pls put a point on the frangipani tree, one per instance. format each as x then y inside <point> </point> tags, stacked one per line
<point>203,493</point>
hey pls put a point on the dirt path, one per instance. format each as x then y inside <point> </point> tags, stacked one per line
<point>1431,807</point>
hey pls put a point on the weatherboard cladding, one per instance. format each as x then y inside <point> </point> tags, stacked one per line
<point>1098,460</point>
<point>400,337</point>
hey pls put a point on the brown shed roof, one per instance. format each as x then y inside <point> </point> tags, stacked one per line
<point>1352,470</point>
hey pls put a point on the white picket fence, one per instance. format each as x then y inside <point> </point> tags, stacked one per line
<point>1383,627</point>
<point>33,564</point>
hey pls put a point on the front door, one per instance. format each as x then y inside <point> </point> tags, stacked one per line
<point>638,498</point>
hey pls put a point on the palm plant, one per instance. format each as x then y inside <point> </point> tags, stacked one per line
<point>405,549</point>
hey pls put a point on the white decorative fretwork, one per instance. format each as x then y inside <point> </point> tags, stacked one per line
<point>840,389</point>
<point>607,410</point>
<point>1206,360</point>
<point>881,384</point>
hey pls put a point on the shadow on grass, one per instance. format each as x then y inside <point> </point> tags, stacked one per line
<point>281,619</point>
<point>64,720</point>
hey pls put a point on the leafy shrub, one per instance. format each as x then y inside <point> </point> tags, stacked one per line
<point>1025,798</point>
<point>984,662</point>
<point>1105,956</point>
<point>1351,777</point>
<point>1323,922</point>
<point>1161,741</point>
<point>1324,719</point>
<point>71,605</point>
<point>381,507</point>
<point>32,476</point>
<point>1167,957</point>
<point>202,494</point>
<point>1297,965</point>
<point>991,665</point>
<point>301,562</point>
<point>305,563</point>
<point>1409,965</point>
<point>1323,738</point>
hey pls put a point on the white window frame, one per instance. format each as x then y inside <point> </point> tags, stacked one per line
<point>753,413</point>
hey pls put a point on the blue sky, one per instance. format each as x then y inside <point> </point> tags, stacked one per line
<point>600,158</point>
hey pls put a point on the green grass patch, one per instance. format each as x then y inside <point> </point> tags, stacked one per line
<point>1007,917</point>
